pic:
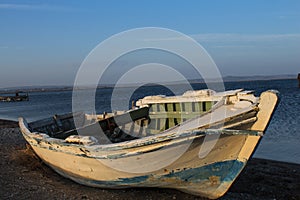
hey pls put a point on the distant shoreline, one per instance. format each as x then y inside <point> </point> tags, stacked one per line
<point>227,79</point>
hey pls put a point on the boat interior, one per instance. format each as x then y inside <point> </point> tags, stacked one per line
<point>139,122</point>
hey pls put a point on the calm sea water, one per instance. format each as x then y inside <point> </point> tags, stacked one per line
<point>281,141</point>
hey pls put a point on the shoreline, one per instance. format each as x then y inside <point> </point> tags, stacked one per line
<point>6,123</point>
<point>24,176</point>
<point>228,79</point>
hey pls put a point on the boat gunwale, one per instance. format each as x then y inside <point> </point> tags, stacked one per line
<point>140,142</point>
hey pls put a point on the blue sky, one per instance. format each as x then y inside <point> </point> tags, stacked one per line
<point>44,42</point>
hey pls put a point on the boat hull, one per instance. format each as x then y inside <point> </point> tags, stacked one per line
<point>200,162</point>
<point>209,176</point>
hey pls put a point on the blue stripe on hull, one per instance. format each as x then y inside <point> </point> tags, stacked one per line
<point>226,170</point>
<point>186,179</point>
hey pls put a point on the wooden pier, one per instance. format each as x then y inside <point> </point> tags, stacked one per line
<point>19,96</point>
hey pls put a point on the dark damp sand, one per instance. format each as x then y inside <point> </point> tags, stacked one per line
<point>24,176</point>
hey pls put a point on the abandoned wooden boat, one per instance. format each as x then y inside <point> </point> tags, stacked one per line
<point>127,154</point>
<point>19,96</point>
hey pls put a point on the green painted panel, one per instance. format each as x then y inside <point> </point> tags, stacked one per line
<point>167,115</point>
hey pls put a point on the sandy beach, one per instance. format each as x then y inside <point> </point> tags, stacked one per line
<point>24,176</point>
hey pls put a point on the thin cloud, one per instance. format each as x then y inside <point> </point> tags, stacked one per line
<point>283,17</point>
<point>43,7</point>
<point>288,15</point>
<point>233,46</point>
<point>231,37</point>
